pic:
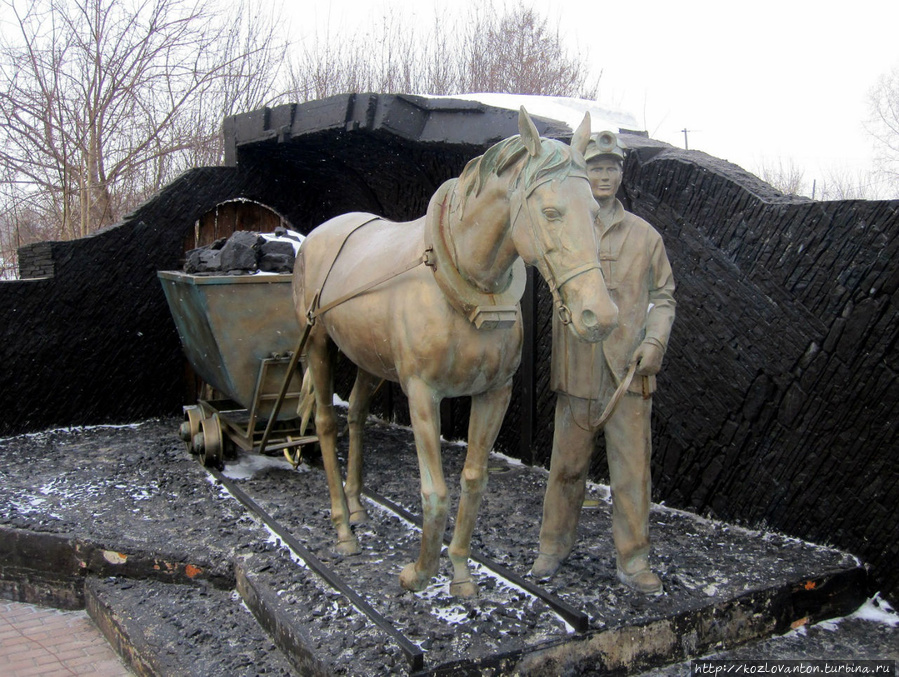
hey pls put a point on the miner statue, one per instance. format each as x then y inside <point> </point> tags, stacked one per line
<point>608,386</point>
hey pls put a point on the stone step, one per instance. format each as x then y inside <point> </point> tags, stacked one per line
<point>173,630</point>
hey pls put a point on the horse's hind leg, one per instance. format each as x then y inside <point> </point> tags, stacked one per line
<point>424,409</point>
<point>487,412</point>
<point>360,399</point>
<point>319,363</point>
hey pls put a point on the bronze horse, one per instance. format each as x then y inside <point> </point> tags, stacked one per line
<point>450,327</point>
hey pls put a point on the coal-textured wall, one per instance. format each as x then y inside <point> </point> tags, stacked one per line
<point>777,404</point>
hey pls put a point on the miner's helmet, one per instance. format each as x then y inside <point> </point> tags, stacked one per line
<point>605,144</point>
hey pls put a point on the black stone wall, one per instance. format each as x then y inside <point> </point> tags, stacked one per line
<point>37,260</point>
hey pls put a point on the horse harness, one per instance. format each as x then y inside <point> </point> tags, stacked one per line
<point>481,308</point>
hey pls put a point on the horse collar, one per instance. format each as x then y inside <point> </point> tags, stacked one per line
<point>483,310</point>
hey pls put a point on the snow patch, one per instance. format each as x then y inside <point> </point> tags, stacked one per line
<point>512,462</point>
<point>70,430</point>
<point>248,465</point>
<point>877,610</point>
<point>275,540</point>
<point>567,110</point>
<point>295,239</point>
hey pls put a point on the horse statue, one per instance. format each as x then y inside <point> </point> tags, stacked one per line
<point>447,321</point>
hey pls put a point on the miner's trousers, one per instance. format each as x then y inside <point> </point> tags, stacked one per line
<point>628,440</point>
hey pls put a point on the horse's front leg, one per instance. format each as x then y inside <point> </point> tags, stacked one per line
<point>319,364</point>
<point>487,412</point>
<point>424,410</point>
<point>360,399</point>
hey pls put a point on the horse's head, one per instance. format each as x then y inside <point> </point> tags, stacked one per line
<point>552,213</point>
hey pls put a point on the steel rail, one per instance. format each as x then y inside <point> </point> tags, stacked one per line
<point>414,654</point>
<point>574,617</point>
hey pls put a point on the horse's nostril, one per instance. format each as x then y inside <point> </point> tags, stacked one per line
<point>588,317</point>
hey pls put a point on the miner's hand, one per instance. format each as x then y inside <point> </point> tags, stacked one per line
<point>648,357</point>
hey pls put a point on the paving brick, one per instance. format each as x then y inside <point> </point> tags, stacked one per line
<point>17,667</point>
<point>48,642</point>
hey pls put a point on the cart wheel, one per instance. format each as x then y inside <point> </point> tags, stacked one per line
<point>191,427</point>
<point>211,451</point>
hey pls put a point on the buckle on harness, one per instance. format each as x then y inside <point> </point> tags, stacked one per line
<point>429,259</point>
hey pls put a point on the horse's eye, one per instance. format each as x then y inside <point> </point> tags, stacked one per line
<point>552,214</point>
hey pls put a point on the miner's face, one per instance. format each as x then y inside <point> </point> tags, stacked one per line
<point>605,177</point>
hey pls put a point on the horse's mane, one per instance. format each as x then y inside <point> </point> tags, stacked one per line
<point>556,161</point>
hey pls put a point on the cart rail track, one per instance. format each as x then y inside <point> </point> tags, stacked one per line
<point>412,652</point>
<point>574,617</point>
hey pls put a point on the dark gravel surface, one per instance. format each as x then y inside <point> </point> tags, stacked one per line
<point>194,630</point>
<point>129,487</point>
<point>136,488</point>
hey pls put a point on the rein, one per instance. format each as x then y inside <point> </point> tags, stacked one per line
<point>610,406</point>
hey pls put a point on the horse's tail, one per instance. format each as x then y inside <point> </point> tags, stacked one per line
<point>306,405</point>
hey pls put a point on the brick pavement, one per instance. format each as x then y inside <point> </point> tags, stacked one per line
<point>37,641</point>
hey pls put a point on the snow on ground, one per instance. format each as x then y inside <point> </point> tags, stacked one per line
<point>247,465</point>
<point>877,610</point>
<point>69,430</point>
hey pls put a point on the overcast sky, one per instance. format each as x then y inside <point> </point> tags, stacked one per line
<point>753,82</point>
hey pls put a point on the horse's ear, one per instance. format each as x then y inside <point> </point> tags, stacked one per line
<point>529,134</point>
<point>582,135</point>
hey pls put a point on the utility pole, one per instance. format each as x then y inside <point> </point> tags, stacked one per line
<point>686,142</point>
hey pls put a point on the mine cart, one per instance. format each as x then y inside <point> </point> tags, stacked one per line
<point>238,332</point>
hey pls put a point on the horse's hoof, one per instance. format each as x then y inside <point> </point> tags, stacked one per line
<point>412,580</point>
<point>465,589</point>
<point>359,517</point>
<point>349,547</point>
<point>545,566</point>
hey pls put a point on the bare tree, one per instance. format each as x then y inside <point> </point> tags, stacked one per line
<point>381,59</point>
<point>483,51</point>
<point>103,101</point>
<point>519,53</point>
<point>883,126</point>
<point>785,176</point>
<point>845,184</point>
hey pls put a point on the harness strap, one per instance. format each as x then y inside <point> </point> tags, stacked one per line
<point>339,250</point>
<point>365,287</point>
<point>485,310</point>
<point>314,310</point>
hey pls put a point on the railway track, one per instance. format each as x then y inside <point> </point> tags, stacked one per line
<point>413,653</point>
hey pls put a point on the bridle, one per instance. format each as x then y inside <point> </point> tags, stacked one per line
<point>555,278</point>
